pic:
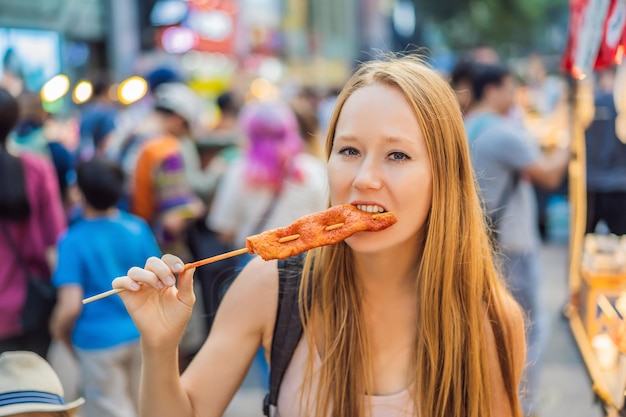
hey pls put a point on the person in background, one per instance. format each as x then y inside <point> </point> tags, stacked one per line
<point>136,124</point>
<point>206,159</point>
<point>273,182</point>
<point>105,244</point>
<point>29,387</point>
<point>161,193</point>
<point>507,162</point>
<point>98,119</point>
<point>29,133</point>
<point>414,320</point>
<point>31,221</point>
<point>204,171</point>
<point>461,81</point>
<point>309,127</point>
<point>32,134</point>
<point>606,161</point>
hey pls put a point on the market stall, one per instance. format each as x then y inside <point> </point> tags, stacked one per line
<point>597,264</point>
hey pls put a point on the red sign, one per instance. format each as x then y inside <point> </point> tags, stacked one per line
<point>596,37</point>
<point>613,36</point>
<point>213,25</point>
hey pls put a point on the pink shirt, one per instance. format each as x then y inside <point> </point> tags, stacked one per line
<point>394,405</point>
<point>33,236</point>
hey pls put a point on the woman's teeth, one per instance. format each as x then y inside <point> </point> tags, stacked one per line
<point>370,209</point>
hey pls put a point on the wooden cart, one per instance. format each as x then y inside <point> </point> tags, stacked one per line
<point>593,292</point>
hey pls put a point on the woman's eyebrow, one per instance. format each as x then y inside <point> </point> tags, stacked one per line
<point>346,138</point>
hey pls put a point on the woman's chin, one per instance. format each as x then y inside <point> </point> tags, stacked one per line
<point>367,243</point>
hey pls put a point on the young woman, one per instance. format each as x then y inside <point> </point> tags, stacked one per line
<point>412,320</point>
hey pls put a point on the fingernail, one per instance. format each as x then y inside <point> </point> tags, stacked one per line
<point>134,285</point>
<point>170,281</point>
<point>179,268</point>
<point>160,285</point>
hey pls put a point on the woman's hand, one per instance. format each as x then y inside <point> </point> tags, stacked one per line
<point>159,309</point>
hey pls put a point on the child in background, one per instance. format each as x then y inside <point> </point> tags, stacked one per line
<point>101,246</point>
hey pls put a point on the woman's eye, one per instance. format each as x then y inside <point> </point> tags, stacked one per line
<point>349,151</point>
<point>399,156</point>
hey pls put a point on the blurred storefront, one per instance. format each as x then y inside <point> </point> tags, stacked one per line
<point>39,39</point>
<point>215,44</point>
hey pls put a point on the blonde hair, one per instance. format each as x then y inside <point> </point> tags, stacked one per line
<point>458,286</point>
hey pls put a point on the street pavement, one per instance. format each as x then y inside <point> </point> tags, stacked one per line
<point>565,385</point>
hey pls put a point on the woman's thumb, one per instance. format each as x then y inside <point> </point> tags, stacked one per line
<point>185,287</point>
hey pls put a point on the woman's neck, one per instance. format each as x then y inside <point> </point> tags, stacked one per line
<point>387,273</point>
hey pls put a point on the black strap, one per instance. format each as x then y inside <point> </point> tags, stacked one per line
<point>288,327</point>
<point>13,245</point>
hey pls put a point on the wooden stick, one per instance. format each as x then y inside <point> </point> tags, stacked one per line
<point>210,260</point>
<point>216,258</point>
<point>187,266</point>
<point>288,238</point>
<point>334,226</point>
<point>102,295</point>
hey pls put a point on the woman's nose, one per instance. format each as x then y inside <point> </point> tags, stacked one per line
<point>368,176</point>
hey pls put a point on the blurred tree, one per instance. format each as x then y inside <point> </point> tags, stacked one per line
<point>502,24</point>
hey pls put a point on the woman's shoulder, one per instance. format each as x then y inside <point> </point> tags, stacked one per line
<point>510,319</point>
<point>256,288</point>
<point>513,315</point>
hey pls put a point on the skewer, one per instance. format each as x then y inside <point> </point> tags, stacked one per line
<point>207,261</point>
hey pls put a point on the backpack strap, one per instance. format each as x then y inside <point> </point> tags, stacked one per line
<point>287,329</point>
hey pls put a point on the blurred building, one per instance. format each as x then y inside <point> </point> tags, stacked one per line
<point>310,42</point>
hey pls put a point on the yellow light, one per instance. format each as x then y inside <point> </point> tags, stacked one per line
<point>55,88</point>
<point>261,88</point>
<point>132,89</point>
<point>82,92</point>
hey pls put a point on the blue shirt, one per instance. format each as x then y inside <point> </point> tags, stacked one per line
<point>91,254</point>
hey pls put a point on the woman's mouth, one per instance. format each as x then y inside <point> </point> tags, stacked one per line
<point>370,208</point>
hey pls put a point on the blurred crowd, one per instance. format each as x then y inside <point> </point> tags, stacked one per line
<point>84,199</point>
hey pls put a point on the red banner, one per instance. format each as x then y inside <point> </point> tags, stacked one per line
<point>596,36</point>
<point>614,36</point>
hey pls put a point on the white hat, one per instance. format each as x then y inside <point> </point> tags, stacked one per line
<point>29,384</point>
<point>180,99</point>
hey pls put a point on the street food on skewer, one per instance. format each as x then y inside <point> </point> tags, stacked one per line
<point>317,229</point>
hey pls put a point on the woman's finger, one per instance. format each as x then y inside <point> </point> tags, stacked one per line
<point>185,287</point>
<point>174,263</point>
<point>162,271</point>
<point>125,283</point>
<point>146,276</point>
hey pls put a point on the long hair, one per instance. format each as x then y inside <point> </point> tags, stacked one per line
<point>14,204</point>
<point>273,138</point>
<point>457,282</point>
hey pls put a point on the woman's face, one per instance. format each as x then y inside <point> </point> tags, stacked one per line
<point>379,161</point>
